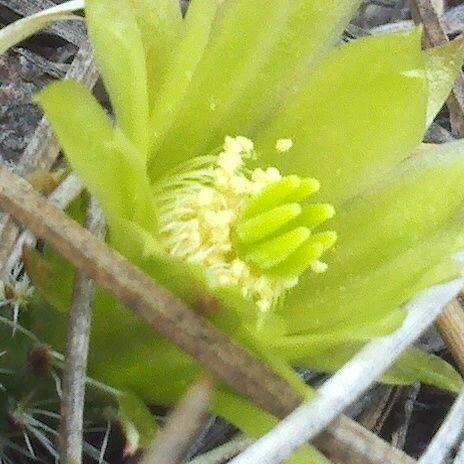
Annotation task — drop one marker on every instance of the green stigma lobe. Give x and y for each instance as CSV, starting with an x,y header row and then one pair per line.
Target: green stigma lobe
x,y
307,187
274,232
265,224
313,215
277,250
300,261
289,189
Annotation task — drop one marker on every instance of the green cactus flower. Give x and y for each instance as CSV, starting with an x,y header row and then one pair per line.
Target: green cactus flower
x,y
228,122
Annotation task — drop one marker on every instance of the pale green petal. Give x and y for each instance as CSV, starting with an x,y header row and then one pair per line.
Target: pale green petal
x,y
361,297
293,348
311,30
389,239
257,49
187,55
254,422
359,113
137,422
413,366
53,278
132,240
160,23
443,65
85,132
146,364
110,167
120,54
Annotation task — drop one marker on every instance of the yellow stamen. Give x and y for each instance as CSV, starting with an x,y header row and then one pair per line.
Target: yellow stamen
x,y
199,206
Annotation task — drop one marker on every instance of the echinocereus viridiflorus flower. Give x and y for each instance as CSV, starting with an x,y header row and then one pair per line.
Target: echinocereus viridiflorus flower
x,y
253,159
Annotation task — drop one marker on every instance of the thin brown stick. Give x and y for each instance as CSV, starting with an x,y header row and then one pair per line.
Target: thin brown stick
x,y
451,323
182,426
346,442
74,375
408,397
375,418
169,316
61,197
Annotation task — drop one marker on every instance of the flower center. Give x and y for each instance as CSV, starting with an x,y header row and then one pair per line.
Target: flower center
x,y
247,228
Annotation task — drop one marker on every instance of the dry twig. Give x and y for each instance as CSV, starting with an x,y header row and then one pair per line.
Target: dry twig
x,y
61,197
183,424
74,375
374,418
345,441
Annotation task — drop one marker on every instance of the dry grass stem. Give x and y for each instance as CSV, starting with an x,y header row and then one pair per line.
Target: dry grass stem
x,y
451,328
347,442
374,419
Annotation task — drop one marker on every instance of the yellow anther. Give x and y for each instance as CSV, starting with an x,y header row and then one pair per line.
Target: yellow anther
x,y
284,145
319,267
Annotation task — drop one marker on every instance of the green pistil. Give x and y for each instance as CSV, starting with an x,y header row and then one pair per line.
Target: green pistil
x,y
275,233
